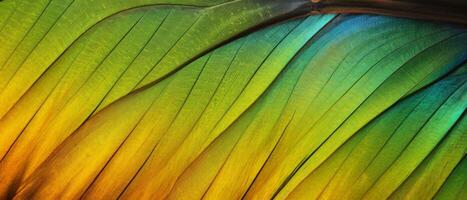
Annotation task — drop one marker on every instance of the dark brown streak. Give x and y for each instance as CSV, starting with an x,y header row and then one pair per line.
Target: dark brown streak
x,y
452,11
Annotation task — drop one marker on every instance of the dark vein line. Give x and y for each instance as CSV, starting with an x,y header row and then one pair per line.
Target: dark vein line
x,y
459,193
126,138
101,20
103,60
347,118
119,147
36,43
173,119
430,156
461,62
341,165
292,15
400,68
368,70
151,104
8,18
269,157
252,76
365,73
222,165
132,61
18,175
25,35
425,120
180,5
144,115
240,136
43,102
264,60
312,38
168,51
373,159
348,74
286,104
399,125
412,138
307,45
451,174
387,140
214,94
33,148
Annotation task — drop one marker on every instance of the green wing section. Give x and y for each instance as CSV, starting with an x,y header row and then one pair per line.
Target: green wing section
x,y
243,99
49,27
49,87
455,186
195,105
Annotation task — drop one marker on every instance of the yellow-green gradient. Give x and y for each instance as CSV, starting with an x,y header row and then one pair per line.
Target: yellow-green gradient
x,y
217,99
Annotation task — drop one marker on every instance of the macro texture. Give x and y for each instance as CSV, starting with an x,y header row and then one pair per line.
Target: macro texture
x,y
239,99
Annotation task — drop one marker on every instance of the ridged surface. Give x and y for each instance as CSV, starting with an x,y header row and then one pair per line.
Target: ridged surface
x,y
153,99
